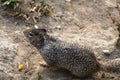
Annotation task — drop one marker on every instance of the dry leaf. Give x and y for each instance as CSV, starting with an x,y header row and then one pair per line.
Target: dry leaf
x,y
20,67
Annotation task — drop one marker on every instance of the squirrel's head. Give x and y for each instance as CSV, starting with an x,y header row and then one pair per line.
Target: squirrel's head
x,y
35,36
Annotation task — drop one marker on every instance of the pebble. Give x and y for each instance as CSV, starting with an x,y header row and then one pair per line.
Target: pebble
x,y
106,52
36,26
68,0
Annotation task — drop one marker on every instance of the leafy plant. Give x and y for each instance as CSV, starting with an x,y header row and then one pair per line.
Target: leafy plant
x,y
44,8
31,11
12,3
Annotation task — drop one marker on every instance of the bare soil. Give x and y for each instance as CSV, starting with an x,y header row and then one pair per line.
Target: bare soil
x,y
88,22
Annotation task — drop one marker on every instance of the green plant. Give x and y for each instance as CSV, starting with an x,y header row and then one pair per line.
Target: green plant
x,y
39,76
12,3
44,8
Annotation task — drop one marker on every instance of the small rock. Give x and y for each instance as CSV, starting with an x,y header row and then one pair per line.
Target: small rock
x,y
58,27
68,0
36,26
99,58
106,52
59,14
117,59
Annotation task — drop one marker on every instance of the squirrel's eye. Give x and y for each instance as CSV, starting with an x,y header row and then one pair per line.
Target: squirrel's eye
x,y
30,35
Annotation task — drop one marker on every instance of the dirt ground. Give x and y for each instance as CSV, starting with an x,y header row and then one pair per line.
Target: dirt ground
x,y
88,22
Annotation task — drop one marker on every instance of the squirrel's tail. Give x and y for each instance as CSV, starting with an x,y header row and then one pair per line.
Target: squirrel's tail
x,y
110,66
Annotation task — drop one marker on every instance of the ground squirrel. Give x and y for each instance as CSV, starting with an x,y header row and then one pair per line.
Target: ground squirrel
x,y
79,60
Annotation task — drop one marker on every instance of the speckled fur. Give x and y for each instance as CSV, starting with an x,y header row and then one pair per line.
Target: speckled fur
x,y
79,60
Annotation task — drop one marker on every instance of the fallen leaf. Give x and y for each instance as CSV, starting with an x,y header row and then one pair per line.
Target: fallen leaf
x,y
20,67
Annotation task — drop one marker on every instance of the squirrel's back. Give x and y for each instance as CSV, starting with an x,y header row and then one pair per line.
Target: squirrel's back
x,y
78,59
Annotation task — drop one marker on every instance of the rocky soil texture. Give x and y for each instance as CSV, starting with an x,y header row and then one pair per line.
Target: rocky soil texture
x,y
90,22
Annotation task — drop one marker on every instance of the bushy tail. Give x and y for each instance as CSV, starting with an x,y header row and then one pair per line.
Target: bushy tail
x,y
112,66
